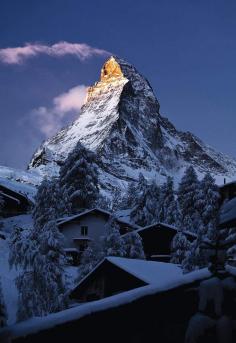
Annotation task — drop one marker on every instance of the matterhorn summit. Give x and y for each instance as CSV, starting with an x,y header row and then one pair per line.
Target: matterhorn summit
x,y
121,122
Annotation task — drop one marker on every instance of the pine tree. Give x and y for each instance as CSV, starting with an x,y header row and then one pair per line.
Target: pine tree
x,y
180,247
40,255
197,257
89,259
169,211
117,201
3,311
187,198
113,243
131,195
147,208
78,179
133,246
46,201
208,200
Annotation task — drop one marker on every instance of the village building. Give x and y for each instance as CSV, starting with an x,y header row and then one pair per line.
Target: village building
x,y
88,226
170,311
157,239
15,202
227,191
116,274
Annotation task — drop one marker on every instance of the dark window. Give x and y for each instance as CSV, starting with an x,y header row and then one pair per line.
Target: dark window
x,y
83,246
84,230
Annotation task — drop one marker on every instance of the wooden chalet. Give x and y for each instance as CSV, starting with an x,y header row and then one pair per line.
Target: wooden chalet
x,y
159,313
227,191
15,203
115,275
85,227
157,239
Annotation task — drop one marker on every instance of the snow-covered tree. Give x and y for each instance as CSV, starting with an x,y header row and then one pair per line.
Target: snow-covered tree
x,y
39,254
208,200
89,259
133,246
112,242
131,195
197,256
117,201
180,247
187,198
169,211
147,207
3,311
46,202
79,179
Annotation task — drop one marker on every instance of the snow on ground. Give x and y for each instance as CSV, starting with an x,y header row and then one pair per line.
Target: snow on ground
x,y
24,221
34,325
7,277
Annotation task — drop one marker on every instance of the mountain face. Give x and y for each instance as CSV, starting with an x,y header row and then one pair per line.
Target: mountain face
x,y
121,123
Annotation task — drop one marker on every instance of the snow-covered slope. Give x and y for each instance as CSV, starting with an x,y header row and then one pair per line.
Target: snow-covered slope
x,y
121,122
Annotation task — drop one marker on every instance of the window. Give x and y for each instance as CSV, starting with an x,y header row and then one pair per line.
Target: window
x,y
84,230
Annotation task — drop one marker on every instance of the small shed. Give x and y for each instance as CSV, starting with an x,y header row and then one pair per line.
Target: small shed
x,y
116,274
157,240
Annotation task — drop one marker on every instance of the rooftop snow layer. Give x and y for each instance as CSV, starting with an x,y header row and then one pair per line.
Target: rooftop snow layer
x,y
34,325
151,272
19,187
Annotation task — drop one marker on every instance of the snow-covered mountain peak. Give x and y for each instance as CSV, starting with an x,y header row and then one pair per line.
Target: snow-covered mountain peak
x,y
121,123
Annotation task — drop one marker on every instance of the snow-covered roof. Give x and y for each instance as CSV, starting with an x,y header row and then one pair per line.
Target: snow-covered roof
x,y
151,272
228,213
157,224
38,324
64,220
23,189
9,197
228,184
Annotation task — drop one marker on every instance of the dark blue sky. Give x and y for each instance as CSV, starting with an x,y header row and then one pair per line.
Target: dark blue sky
x,y
186,49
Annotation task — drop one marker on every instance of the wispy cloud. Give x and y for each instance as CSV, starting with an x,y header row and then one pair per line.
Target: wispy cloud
x,y
65,106
18,55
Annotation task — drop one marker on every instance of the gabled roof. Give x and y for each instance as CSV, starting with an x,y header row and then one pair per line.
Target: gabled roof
x,y
64,220
9,197
159,225
34,325
150,272
228,184
21,190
